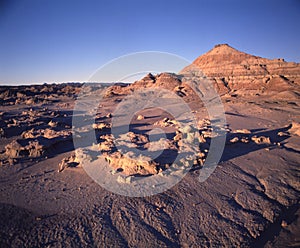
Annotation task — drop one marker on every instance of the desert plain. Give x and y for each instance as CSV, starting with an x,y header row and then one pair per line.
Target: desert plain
x,y
251,199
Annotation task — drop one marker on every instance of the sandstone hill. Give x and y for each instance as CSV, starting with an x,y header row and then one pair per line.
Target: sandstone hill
x,y
230,71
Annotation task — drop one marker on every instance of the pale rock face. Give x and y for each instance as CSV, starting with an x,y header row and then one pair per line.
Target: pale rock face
x,y
100,126
32,149
295,128
70,161
142,165
261,140
243,131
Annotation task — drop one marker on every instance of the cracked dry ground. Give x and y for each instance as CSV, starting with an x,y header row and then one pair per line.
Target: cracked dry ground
x,y
251,199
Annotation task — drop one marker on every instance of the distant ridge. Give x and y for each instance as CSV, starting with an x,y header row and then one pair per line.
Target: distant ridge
x,y
231,72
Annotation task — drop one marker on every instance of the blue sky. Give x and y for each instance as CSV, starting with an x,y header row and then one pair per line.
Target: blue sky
x,y
67,40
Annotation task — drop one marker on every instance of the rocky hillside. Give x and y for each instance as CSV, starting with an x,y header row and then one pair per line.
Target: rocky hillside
x,y
232,70
232,73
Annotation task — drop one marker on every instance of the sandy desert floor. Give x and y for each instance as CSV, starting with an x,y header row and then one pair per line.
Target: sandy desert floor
x,y
250,200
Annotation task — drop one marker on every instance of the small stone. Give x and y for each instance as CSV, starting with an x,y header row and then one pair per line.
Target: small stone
x,y
140,117
261,140
161,173
282,134
245,140
201,155
234,140
178,136
284,223
52,123
201,161
100,126
62,165
244,131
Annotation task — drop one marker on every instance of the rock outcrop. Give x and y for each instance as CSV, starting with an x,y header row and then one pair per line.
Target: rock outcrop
x,y
34,143
232,70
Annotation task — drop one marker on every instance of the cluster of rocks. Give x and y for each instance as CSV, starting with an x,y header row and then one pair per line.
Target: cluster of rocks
x,y
120,152
38,94
245,136
166,122
24,148
13,124
36,132
35,143
191,141
123,158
